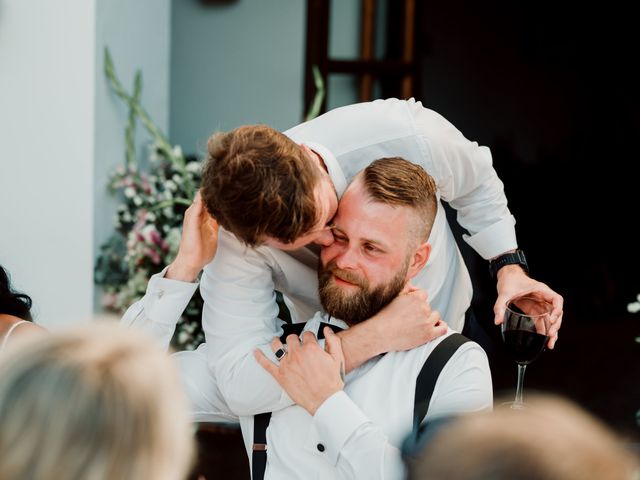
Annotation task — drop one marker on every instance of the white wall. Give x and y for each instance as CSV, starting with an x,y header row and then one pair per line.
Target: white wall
x,y
59,131
46,175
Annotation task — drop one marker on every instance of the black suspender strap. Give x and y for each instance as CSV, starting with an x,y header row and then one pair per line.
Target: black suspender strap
x,y
259,453
426,381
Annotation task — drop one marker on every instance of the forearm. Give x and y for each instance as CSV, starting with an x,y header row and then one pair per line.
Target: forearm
x,y
361,343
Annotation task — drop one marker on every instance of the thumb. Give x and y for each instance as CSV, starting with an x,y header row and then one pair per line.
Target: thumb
x,y
499,309
333,344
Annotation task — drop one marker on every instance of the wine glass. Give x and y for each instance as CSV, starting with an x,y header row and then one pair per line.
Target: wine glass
x,y
525,332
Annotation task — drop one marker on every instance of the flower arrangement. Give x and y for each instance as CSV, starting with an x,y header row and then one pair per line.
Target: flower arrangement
x,y
154,196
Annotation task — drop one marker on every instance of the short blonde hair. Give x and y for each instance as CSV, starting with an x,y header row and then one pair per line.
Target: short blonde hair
x,y
398,182
95,404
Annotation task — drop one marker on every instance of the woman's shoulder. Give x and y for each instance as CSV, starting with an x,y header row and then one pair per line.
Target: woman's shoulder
x,y
11,325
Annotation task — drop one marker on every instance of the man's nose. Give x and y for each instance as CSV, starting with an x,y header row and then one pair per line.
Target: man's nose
x,y
325,238
346,259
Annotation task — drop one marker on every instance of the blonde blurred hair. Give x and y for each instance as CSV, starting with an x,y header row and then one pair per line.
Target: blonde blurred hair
x,y
552,439
97,403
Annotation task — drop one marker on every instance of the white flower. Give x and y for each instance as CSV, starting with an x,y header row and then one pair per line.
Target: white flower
x,y
633,307
193,167
129,192
173,239
170,184
177,151
137,200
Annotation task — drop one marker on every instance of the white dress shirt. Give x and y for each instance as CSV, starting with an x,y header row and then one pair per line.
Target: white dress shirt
x,y
240,310
357,432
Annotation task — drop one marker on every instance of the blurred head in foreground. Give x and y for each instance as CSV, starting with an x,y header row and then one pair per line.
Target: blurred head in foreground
x,y
96,403
551,439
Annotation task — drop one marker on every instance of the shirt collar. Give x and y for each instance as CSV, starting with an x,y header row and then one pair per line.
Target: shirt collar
x,y
333,167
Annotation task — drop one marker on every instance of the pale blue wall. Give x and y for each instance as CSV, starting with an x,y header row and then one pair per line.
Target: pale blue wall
x,y
138,36
234,64
243,63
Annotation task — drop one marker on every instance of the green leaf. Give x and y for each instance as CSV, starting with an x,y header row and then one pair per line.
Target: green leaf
x,y
316,105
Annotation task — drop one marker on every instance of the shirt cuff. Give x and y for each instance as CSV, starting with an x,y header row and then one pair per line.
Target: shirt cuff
x,y
166,299
332,425
494,240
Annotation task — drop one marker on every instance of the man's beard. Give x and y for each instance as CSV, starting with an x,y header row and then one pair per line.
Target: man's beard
x,y
362,304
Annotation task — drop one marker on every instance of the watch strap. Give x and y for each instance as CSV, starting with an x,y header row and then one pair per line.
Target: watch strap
x,y
512,258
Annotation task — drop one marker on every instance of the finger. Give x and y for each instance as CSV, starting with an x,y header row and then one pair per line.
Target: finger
x,y
333,345
499,309
420,294
408,288
293,342
308,337
275,344
439,330
265,363
553,329
552,341
558,304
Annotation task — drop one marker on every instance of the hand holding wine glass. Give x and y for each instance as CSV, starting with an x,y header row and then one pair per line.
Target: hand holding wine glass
x,y
527,320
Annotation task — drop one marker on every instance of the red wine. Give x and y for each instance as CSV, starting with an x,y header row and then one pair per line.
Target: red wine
x,y
524,346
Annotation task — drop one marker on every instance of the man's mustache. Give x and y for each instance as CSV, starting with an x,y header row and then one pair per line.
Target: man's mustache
x,y
345,275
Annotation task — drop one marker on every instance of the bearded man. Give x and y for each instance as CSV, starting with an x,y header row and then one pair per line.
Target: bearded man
x,y
353,426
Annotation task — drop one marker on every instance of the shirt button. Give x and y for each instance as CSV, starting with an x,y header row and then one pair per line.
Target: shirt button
x,y
160,293
320,447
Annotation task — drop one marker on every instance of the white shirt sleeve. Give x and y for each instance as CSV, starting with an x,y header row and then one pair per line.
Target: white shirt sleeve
x,y
158,312
467,180
241,314
207,403
359,448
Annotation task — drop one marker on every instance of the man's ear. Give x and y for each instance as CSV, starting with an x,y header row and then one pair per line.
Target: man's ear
x,y
418,259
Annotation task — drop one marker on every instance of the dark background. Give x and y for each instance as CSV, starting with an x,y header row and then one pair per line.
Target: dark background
x,y
552,89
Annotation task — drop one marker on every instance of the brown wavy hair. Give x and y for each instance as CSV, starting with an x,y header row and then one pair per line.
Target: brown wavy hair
x,y
258,183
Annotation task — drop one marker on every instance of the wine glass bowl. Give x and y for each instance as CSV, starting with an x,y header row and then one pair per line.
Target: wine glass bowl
x,y
525,330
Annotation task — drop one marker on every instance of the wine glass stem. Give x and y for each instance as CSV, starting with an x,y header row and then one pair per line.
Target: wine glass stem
x,y
519,388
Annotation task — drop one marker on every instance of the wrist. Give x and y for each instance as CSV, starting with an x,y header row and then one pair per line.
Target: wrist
x,y
313,406
509,270
362,342
181,271
510,259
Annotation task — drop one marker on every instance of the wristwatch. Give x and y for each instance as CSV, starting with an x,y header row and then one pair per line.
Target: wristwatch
x,y
514,258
